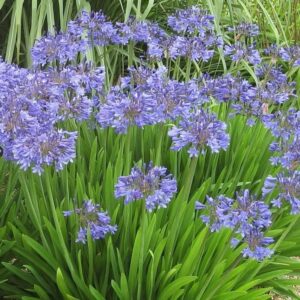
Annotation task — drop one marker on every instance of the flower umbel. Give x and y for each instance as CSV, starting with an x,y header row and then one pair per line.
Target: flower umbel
x,y
149,183
246,216
91,218
197,130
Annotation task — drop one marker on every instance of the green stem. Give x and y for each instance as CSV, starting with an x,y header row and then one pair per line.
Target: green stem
x,y
188,70
188,184
158,147
141,258
128,154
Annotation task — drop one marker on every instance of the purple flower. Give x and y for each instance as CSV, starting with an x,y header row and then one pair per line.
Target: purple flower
x,y
81,236
94,28
283,125
123,109
229,88
195,48
192,20
39,148
288,186
291,54
273,52
257,243
239,51
245,29
250,212
246,216
197,130
92,219
217,212
149,183
60,48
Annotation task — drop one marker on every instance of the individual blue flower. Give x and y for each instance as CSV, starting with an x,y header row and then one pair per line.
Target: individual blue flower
x,y
283,124
197,130
250,212
93,219
273,51
216,212
81,236
149,183
245,215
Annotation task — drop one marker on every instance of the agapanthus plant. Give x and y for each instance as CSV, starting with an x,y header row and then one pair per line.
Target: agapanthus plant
x,y
288,186
92,219
150,183
245,29
246,216
197,130
291,54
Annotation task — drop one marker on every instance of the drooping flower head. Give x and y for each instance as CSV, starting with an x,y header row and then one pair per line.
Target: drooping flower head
x,y
149,183
93,219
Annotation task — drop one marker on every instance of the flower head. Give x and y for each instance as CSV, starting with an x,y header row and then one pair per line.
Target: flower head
x,y
197,130
191,20
245,29
149,183
288,187
92,219
245,215
291,54
59,48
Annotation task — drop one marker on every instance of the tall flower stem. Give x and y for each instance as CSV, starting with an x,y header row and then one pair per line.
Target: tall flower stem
x,y
158,147
128,153
189,180
141,257
188,70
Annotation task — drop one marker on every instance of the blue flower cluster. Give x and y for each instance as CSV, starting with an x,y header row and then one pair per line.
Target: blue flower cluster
x,y
34,102
285,127
194,37
289,189
93,220
149,183
247,216
147,97
198,129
